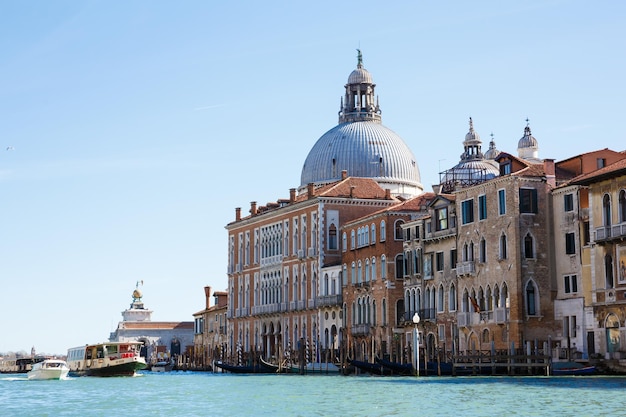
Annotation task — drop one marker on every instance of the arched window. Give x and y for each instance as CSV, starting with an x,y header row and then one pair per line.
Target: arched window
x,y
367,270
353,273
374,313
531,299
384,312
482,250
452,298
344,241
373,233
470,252
352,239
606,209
399,266
622,206
359,277
383,231
373,268
383,267
398,234
608,271
503,251
332,237
529,247
440,298
485,336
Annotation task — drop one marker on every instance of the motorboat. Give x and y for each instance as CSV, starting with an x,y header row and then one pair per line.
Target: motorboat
x,y
49,369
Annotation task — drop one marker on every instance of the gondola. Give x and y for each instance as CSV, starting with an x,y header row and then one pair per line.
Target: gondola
x,y
396,368
258,368
372,368
572,368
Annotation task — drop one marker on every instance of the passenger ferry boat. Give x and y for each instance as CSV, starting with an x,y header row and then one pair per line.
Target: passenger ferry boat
x,y
106,359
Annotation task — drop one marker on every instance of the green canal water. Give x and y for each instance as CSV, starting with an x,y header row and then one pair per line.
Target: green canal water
x,y
208,394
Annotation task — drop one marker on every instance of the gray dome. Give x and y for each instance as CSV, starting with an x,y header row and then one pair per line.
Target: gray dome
x,y
363,149
360,76
472,171
528,140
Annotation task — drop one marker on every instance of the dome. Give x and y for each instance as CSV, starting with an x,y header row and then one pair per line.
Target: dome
x,y
360,76
472,137
363,149
528,140
492,152
470,172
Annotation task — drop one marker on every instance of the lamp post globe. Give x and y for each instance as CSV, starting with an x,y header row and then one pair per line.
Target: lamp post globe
x,y
416,318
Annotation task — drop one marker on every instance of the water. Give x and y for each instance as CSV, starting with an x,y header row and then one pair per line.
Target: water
x,y
207,394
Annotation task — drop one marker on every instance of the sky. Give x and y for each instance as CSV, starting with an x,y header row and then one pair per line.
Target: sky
x,y
131,130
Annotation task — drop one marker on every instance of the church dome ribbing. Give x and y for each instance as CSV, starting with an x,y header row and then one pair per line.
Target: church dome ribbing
x,y
361,145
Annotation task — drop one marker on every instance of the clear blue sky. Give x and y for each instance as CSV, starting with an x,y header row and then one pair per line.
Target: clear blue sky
x,y
137,127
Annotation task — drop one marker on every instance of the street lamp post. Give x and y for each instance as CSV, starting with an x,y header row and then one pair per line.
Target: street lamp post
x,y
416,320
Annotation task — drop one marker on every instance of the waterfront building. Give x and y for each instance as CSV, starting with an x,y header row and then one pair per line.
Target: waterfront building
x,y
210,330
285,274
573,304
373,270
160,338
605,326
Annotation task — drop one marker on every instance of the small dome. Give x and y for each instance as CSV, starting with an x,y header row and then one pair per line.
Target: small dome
x,y
472,136
492,152
137,294
528,140
360,76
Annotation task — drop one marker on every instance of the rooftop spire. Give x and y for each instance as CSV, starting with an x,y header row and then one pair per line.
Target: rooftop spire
x,y
359,57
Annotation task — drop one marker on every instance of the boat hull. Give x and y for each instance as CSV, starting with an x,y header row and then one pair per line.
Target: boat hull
x,y
316,368
106,359
49,369
246,369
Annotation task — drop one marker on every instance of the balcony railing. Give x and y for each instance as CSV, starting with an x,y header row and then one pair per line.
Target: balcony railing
x,y
465,268
606,233
360,329
329,300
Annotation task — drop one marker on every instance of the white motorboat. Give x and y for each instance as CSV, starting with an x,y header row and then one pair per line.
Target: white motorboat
x,y
49,369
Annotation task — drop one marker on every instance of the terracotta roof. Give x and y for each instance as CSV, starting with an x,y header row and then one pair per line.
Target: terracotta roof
x,y
411,205
615,169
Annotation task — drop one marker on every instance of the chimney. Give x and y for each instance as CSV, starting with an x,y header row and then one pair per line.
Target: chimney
x,y
292,195
548,169
352,187
253,208
311,190
387,194
207,295
237,213
344,174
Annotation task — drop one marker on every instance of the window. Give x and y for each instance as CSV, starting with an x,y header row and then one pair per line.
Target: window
x,y
453,258
332,237
531,300
344,241
399,266
528,200
383,231
399,235
505,168
502,202
383,267
482,250
352,239
442,218
568,202
529,249
608,271
439,261
606,209
373,232
586,233
503,254
570,243
570,284
467,211
482,207
622,206
452,298
428,265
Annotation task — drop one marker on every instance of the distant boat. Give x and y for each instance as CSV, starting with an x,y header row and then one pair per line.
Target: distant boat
x,y
369,367
162,366
49,369
396,368
572,368
261,367
106,359
316,368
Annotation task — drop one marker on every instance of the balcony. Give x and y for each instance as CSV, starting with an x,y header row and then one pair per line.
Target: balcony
x,y
329,300
609,233
360,330
466,268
